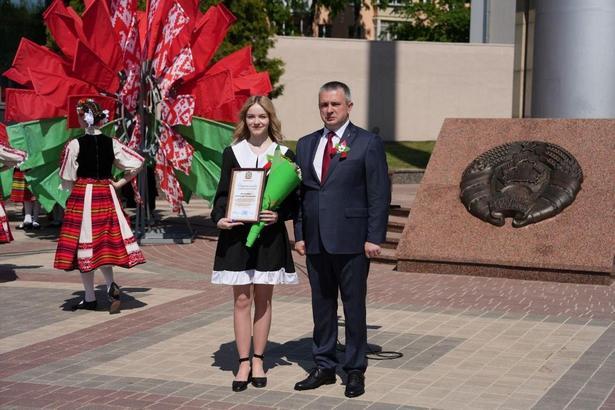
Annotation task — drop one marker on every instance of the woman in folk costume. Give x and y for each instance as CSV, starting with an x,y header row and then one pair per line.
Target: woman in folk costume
x,y
9,157
252,271
21,194
95,233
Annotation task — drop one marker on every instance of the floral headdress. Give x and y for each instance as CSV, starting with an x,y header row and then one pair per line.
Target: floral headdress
x,y
91,112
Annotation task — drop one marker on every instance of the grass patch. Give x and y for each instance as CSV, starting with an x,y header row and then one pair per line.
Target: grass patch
x,y
408,154
400,154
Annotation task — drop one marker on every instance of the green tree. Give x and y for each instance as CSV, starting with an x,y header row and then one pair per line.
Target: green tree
x,y
290,17
441,20
253,27
280,15
17,21
337,6
295,17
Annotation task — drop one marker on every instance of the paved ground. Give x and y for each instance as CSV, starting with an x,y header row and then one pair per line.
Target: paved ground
x,y
474,343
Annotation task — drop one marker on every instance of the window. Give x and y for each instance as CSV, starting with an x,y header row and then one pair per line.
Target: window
x,y
382,30
324,30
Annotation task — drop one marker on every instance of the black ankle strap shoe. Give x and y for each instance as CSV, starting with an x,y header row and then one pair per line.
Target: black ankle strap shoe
x,y
259,382
241,385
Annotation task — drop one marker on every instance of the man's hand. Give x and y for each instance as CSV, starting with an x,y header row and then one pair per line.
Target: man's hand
x,y
300,247
372,250
226,223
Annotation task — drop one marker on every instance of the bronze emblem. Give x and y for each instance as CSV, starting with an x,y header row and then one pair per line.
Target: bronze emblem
x,y
528,181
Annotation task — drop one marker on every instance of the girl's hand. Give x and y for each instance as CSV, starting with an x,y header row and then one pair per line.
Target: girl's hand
x,y
226,223
116,184
269,217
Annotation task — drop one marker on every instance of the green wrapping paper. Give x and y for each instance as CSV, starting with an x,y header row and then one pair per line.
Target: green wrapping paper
x,y
283,179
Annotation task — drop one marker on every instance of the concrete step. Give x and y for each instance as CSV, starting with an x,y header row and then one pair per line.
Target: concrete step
x,y
395,226
387,256
401,211
398,219
390,243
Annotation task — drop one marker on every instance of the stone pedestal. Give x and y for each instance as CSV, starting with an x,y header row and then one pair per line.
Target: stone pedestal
x,y
577,245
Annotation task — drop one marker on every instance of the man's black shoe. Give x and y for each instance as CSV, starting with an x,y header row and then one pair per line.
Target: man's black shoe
x,y
355,385
317,378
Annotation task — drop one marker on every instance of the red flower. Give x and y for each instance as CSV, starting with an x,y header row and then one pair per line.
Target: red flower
x,y
341,148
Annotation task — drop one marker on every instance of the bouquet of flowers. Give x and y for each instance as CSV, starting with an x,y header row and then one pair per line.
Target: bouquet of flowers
x,y
283,178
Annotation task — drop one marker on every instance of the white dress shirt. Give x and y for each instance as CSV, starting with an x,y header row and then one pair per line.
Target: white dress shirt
x,y
323,143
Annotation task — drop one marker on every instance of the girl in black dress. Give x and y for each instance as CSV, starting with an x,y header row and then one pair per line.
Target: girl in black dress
x,y
252,271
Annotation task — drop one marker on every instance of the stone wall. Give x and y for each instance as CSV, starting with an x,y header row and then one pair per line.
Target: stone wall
x,y
404,89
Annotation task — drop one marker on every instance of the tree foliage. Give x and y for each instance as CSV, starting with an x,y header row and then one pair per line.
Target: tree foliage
x,y
253,27
442,20
16,21
295,17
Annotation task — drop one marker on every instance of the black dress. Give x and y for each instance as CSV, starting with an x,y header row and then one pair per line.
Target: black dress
x,y
269,260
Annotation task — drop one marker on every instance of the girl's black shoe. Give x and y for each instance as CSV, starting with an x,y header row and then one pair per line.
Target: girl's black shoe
x,y
114,298
24,225
241,385
259,382
85,305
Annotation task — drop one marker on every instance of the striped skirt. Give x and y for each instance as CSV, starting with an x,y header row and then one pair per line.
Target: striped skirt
x,y
95,232
19,189
5,229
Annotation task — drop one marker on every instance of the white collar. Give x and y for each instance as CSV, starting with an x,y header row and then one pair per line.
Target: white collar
x,y
92,131
248,159
340,131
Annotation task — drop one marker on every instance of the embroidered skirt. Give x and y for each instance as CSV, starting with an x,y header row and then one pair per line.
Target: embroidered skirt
x,y
5,229
95,231
19,189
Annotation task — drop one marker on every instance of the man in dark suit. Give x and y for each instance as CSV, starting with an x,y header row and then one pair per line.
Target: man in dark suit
x,y
345,196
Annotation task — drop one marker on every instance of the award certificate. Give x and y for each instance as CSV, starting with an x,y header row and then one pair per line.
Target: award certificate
x,y
245,194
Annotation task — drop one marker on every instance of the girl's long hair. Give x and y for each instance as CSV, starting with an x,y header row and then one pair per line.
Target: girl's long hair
x,y
275,126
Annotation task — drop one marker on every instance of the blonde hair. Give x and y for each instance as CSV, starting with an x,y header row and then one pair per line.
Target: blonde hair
x,y
275,126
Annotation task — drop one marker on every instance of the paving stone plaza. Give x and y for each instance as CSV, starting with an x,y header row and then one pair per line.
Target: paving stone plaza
x,y
465,342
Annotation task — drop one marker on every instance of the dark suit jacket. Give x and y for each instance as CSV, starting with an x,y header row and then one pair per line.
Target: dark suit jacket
x,y
352,206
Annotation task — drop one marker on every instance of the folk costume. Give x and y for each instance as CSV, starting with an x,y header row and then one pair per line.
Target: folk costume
x,y
269,261
21,194
95,231
9,157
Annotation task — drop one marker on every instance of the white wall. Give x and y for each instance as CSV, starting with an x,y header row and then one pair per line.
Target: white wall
x,y
406,89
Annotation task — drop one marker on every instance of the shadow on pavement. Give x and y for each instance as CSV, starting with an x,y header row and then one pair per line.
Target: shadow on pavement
x,y
277,354
44,234
128,301
226,357
8,274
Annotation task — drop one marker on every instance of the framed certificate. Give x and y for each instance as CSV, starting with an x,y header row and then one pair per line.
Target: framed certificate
x,y
245,194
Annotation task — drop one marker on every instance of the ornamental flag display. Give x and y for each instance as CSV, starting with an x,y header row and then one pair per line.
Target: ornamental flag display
x,y
153,69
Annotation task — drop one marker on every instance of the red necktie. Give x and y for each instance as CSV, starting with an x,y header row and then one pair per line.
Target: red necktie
x,y
326,157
